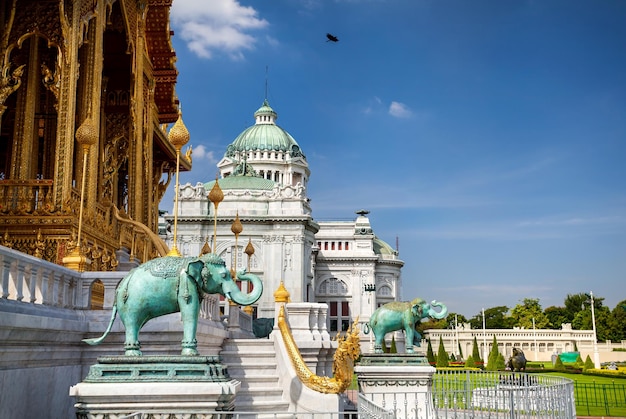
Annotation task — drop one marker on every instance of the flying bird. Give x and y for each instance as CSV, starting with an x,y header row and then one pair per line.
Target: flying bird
x,y
331,37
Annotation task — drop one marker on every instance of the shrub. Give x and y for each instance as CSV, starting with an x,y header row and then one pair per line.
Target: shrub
x,y
475,353
492,361
393,349
469,362
558,365
430,355
442,355
589,365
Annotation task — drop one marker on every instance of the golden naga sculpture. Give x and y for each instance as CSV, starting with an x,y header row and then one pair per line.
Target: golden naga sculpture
x,y
348,350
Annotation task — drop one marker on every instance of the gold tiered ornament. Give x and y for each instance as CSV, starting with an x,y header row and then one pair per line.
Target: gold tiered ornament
x,y
86,136
178,136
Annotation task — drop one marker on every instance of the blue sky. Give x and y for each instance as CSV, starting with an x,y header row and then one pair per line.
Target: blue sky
x,y
488,136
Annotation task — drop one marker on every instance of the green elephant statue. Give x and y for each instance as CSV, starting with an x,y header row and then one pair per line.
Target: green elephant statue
x,y
402,315
171,284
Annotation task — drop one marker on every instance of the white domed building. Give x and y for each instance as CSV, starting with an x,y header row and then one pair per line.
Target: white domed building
x,y
263,178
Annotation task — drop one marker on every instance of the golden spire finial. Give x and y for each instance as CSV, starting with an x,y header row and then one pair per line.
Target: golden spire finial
x,y
205,247
281,295
249,251
178,135
216,196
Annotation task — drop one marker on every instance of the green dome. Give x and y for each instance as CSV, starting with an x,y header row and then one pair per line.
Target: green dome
x,y
382,248
264,135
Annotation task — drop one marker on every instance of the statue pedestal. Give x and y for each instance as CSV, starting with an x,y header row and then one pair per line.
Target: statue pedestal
x,y
160,385
401,383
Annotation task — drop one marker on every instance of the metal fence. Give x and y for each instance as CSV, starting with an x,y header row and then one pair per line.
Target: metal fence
x,y
479,394
600,399
502,394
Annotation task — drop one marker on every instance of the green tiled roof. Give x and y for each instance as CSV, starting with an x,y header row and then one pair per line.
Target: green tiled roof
x,y
242,182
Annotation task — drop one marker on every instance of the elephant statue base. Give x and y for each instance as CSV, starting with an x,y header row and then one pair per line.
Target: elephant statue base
x,y
174,284
402,315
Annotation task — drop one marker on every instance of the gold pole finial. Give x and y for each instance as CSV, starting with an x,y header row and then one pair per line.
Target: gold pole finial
x,y
249,251
86,136
216,196
178,136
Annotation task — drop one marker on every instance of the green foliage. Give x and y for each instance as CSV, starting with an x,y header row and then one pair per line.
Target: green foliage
x,y
556,317
442,355
393,349
475,353
469,362
460,351
579,362
495,318
589,365
492,361
384,347
575,347
430,355
558,365
523,314
452,357
500,364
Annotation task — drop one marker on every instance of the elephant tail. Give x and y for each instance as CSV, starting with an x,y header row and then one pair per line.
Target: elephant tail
x,y
96,341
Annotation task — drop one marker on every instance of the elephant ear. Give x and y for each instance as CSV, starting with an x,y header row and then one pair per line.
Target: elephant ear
x,y
195,269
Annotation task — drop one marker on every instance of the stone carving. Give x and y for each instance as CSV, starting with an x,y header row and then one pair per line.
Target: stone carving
x,y
517,362
402,315
171,284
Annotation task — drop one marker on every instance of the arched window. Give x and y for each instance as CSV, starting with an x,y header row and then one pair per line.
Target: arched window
x,y
333,286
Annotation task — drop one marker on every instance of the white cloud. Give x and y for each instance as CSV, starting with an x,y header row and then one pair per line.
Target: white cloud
x,y
399,110
218,26
201,153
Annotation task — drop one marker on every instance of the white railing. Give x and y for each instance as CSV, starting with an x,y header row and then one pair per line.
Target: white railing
x,y
32,280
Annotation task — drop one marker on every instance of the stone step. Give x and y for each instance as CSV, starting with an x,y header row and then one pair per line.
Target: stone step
x,y
253,363
264,382
259,394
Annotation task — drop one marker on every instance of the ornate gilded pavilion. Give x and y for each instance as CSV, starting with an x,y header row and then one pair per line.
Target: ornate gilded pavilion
x,y
86,84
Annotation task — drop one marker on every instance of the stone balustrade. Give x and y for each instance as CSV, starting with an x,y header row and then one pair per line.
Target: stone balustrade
x,y
29,279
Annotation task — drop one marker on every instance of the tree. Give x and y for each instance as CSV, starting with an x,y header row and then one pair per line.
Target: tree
x,y
584,320
557,316
442,355
469,362
495,318
523,314
475,352
616,323
574,304
589,365
460,351
492,362
430,355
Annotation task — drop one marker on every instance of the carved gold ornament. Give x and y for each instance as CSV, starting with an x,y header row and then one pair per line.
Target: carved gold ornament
x,y
348,350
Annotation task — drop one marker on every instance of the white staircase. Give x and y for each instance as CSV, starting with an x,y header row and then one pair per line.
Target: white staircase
x,y
253,362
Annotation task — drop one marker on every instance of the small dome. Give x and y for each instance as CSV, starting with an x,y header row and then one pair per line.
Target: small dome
x,y
264,135
382,248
